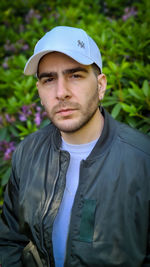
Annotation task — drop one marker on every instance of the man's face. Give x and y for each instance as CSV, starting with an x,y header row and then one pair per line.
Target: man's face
x,y
69,91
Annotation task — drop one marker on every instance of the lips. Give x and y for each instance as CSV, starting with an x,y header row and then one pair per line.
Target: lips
x,y
66,111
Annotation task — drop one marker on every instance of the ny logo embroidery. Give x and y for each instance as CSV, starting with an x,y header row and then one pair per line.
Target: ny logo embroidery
x,y
81,44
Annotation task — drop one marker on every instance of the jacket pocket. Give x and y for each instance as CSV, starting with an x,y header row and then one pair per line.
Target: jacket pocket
x,y
87,220
30,256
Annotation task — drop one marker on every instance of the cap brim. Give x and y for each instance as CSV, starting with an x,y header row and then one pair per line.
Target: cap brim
x,y
32,64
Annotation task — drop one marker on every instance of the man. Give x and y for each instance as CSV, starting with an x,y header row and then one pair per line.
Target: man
x,y
79,192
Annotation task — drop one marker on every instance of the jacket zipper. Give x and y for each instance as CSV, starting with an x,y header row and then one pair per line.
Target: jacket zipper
x,y
47,204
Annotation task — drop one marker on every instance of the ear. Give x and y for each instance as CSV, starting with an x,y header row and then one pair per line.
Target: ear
x,y
102,84
37,86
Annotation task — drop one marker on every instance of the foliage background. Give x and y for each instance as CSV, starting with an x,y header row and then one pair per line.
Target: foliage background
x,y
121,30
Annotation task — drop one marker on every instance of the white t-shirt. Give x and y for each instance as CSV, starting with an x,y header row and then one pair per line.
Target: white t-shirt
x,y
61,223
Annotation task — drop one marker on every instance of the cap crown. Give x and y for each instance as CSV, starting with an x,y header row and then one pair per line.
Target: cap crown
x,y
71,41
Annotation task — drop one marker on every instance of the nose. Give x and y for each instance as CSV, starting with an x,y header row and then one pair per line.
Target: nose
x,y
62,91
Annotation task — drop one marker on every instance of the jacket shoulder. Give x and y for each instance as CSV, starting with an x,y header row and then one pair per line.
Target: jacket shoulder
x,y
39,134
37,140
134,137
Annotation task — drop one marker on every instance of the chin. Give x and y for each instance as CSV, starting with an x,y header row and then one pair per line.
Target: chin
x,y
68,127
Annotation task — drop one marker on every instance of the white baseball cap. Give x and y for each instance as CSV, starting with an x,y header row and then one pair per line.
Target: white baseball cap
x,y
73,42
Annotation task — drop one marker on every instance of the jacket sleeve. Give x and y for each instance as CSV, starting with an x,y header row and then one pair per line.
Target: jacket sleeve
x,y
147,258
12,241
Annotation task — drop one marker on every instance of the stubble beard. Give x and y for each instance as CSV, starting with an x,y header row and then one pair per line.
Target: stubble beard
x,y
85,116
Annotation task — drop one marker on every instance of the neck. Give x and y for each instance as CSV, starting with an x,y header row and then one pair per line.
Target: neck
x,y
89,132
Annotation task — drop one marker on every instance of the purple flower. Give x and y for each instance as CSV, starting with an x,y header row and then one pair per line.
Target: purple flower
x,y
26,110
129,12
25,47
37,119
36,113
7,154
5,65
9,47
22,117
44,114
22,45
9,119
32,14
33,105
38,108
24,113
7,148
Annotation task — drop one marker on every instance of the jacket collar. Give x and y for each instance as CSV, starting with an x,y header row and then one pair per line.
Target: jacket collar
x,y
105,140
107,137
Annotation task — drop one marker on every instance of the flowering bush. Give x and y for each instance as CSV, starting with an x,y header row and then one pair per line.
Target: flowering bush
x,y
15,127
6,149
120,28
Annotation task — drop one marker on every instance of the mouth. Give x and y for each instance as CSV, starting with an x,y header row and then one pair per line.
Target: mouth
x,y
66,112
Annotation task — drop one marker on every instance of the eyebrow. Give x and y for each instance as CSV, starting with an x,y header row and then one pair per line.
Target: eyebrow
x,y
67,71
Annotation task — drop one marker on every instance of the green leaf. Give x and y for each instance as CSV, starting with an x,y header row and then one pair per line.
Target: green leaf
x,y
136,93
22,128
44,123
3,134
29,82
109,103
6,176
12,101
146,88
116,110
14,131
131,121
113,66
145,129
103,38
29,124
2,102
124,65
130,109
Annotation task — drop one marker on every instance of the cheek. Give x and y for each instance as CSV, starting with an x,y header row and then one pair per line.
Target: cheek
x,y
45,95
46,102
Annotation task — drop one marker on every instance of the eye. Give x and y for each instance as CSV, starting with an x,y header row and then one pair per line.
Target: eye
x,y
76,76
47,80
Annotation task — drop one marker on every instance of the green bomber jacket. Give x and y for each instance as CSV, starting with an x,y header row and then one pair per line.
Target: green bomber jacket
x,y
110,217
